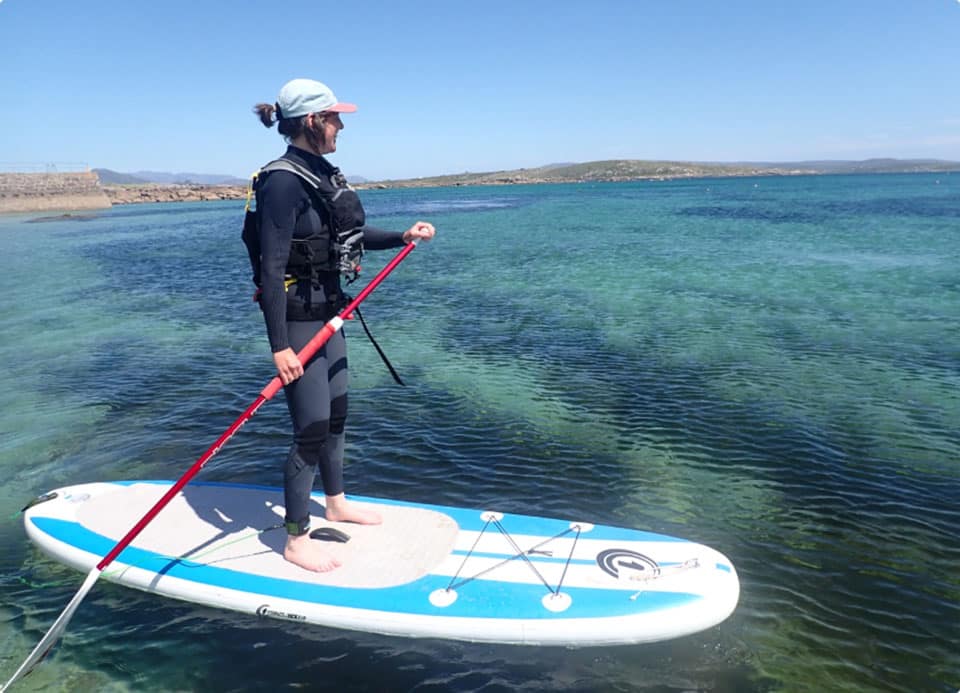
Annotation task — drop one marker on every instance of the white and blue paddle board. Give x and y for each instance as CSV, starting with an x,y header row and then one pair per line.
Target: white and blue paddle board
x,y
427,571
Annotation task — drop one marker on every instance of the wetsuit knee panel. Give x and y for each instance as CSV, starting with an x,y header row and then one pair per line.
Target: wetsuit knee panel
x,y
338,414
310,440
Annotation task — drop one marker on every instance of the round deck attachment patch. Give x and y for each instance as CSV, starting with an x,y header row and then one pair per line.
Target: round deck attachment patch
x,y
443,598
556,602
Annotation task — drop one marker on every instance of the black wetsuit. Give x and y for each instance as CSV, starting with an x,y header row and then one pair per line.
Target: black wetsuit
x,y
318,400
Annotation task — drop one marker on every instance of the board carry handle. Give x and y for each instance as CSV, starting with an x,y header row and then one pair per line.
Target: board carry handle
x,y
322,337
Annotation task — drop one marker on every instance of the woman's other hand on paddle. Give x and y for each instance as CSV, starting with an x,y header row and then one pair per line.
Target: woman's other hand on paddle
x,y
421,231
288,365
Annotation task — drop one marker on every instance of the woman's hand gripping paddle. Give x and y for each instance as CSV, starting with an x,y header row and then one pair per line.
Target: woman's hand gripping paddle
x,y
305,354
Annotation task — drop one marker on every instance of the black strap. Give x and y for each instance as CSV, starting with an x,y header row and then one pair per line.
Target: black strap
x,y
295,168
376,346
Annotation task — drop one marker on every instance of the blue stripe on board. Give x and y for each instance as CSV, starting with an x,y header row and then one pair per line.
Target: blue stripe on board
x,y
558,558
469,519
476,599
536,558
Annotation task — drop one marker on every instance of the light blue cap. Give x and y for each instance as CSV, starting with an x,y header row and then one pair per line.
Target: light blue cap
x,y
298,97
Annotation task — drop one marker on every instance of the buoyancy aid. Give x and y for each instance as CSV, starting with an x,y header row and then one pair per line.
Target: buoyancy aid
x,y
336,248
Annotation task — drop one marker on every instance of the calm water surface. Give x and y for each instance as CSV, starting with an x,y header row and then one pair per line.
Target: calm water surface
x,y
767,366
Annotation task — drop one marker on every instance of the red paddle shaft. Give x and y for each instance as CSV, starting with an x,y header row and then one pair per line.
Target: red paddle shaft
x,y
305,354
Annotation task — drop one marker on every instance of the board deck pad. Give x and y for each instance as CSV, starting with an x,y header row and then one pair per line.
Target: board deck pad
x,y
426,571
203,520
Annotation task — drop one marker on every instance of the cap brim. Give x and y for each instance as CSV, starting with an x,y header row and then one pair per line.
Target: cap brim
x,y
342,108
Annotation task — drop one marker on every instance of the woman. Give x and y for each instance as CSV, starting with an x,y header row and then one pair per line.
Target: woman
x,y
300,250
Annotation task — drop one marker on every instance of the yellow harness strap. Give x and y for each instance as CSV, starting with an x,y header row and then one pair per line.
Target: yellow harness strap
x,y
253,180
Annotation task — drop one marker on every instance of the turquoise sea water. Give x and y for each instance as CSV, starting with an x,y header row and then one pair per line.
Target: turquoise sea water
x,y
769,366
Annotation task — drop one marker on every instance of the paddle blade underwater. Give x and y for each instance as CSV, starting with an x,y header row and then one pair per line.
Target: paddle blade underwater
x,y
52,636
50,639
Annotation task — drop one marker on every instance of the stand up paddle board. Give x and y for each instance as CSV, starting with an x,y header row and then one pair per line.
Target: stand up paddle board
x,y
427,571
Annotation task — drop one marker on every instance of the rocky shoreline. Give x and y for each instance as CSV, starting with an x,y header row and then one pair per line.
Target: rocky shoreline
x,y
84,191
156,192
135,194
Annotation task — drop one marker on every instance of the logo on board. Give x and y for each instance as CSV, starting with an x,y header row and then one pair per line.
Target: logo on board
x,y
265,610
627,565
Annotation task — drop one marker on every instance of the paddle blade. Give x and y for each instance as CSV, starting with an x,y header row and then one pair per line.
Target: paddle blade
x,y
56,630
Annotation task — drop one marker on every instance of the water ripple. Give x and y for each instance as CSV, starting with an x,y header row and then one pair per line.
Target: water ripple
x,y
746,367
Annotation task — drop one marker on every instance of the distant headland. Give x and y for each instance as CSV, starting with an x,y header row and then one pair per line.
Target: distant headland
x,y
619,170
101,188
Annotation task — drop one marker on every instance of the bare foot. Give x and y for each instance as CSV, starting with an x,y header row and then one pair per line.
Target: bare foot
x,y
304,552
339,509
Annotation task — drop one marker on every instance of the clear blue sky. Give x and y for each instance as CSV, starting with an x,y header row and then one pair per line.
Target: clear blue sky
x,y
453,85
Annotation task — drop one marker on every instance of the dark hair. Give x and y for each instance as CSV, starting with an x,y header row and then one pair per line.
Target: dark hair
x,y
290,128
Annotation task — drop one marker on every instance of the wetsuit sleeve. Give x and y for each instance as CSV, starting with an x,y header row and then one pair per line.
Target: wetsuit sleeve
x,y
379,239
278,202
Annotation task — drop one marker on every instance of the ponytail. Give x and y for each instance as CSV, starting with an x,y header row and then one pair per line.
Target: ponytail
x,y
270,114
266,113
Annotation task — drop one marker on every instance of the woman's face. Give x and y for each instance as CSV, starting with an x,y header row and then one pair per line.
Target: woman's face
x,y
328,125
